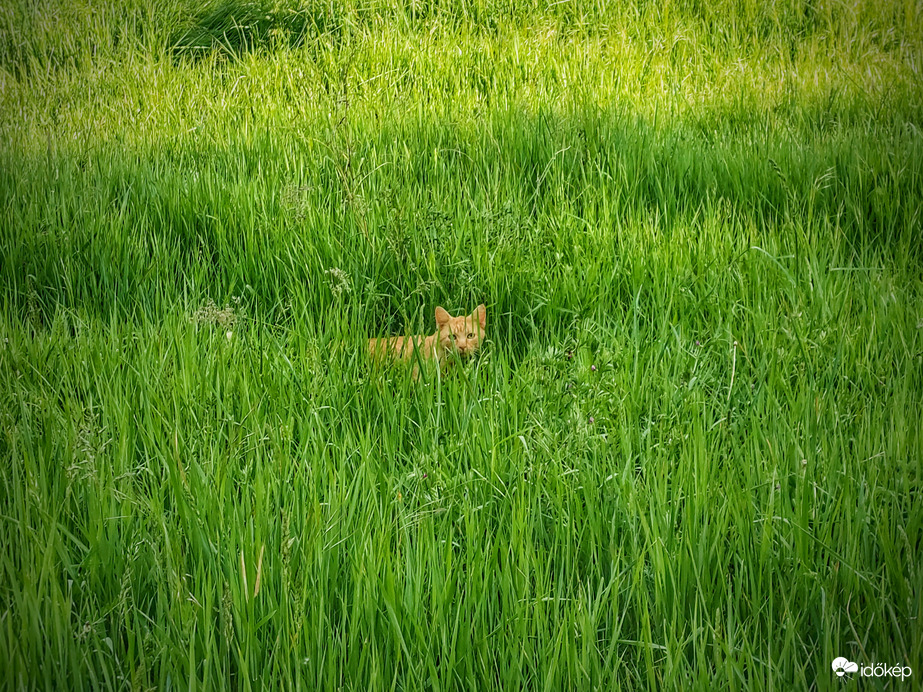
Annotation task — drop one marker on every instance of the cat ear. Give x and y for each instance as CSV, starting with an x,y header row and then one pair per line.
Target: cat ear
x,y
480,313
442,317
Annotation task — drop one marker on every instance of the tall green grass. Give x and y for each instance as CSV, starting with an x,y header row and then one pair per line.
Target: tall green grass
x,y
687,457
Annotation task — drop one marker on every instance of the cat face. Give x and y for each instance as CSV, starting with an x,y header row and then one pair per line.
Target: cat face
x,y
461,334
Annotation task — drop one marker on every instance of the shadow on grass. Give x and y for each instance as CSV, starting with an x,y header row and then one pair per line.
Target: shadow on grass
x,y
237,27
544,217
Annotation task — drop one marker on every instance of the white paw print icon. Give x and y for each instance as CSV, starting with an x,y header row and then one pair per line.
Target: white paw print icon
x,y
841,666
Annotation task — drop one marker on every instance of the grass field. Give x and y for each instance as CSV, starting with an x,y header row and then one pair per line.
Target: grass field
x,y
689,455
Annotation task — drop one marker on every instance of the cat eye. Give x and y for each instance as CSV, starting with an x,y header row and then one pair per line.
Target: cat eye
x,y
453,337
470,335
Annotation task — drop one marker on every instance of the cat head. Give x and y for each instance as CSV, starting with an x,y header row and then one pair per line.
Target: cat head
x,y
462,334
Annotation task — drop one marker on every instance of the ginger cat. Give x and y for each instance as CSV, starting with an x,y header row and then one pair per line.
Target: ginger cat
x,y
461,335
